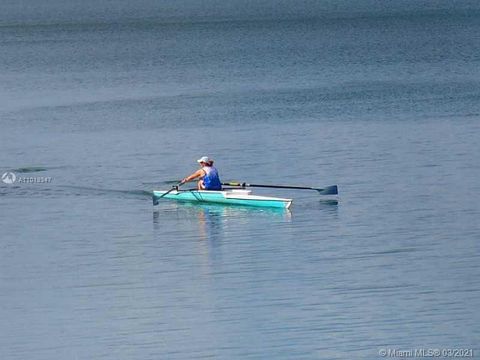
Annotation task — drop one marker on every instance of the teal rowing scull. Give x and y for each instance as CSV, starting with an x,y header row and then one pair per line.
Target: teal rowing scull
x,y
230,197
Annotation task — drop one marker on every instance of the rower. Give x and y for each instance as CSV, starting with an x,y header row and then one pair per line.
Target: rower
x,y
207,175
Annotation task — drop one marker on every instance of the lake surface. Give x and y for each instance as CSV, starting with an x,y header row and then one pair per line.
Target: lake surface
x,y
103,107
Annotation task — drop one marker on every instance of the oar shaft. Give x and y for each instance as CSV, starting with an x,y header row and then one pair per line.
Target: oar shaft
x,y
329,190
281,186
156,198
269,186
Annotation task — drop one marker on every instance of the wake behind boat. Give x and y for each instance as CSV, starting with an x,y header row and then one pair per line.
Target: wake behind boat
x,y
228,196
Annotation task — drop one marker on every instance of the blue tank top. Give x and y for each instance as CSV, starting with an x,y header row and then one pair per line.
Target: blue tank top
x,y
211,180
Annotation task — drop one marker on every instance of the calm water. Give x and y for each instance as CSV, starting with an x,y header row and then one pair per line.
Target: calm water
x,y
384,102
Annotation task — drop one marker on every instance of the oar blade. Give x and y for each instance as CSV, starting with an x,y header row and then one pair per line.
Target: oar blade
x,y
155,200
329,190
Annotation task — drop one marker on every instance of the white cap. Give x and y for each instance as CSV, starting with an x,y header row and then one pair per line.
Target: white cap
x,y
204,159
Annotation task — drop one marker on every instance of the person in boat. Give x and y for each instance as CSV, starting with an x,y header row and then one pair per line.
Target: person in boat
x,y
207,175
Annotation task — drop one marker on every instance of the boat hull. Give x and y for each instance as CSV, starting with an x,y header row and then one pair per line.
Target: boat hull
x,y
233,197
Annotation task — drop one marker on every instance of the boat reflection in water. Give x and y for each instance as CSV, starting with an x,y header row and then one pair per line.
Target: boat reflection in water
x,y
212,226
207,234
213,219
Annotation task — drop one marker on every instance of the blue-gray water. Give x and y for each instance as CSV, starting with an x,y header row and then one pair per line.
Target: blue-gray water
x,y
111,100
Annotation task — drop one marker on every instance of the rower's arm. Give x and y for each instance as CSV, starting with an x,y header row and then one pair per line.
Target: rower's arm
x,y
196,174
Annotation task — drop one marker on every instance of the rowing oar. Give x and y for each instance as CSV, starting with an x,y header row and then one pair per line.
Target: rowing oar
x,y
329,190
156,198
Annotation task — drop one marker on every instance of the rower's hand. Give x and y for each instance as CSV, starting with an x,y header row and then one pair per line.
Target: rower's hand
x,y
183,181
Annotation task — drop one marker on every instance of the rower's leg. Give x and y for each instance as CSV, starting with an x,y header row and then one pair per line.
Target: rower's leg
x,y
200,185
